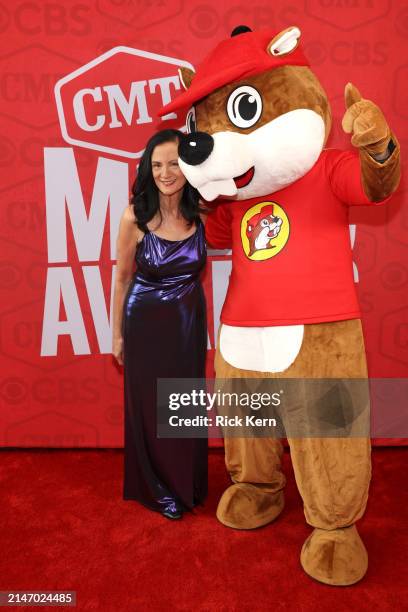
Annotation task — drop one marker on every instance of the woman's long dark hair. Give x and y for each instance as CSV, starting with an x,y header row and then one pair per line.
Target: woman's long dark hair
x,y
145,195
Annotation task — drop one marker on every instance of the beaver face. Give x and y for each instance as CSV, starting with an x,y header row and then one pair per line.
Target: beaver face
x,y
262,231
267,131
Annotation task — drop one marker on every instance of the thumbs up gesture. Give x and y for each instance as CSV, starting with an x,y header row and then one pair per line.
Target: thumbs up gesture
x,y
365,121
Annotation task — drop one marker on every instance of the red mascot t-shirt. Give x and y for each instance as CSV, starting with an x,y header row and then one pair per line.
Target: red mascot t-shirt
x,y
291,250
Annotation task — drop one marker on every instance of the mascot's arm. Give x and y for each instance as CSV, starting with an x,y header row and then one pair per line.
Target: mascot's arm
x,y
218,228
379,149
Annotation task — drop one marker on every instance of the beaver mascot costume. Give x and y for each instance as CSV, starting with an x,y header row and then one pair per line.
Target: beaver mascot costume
x,y
258,126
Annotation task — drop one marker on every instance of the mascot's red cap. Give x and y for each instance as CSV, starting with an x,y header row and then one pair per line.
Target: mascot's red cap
x,y
233,59
264,212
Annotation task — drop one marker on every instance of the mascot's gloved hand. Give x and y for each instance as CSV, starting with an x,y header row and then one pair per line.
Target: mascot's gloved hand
x,y
367,124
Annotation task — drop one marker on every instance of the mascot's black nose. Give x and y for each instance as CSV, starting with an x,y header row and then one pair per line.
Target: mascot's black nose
x,y
195,148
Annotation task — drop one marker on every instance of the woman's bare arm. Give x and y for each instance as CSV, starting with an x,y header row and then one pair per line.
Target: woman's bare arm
x,y
128,237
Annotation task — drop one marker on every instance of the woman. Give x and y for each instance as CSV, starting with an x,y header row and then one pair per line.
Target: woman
x,y
159,322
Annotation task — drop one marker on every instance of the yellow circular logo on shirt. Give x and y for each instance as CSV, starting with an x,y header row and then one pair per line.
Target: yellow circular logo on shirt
x,y
264,231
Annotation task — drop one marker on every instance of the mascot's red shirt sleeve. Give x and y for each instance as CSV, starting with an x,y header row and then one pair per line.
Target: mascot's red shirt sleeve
x,y
306,274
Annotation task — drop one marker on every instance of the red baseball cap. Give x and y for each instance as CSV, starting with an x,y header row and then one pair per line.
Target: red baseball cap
x,y
264,212
234,59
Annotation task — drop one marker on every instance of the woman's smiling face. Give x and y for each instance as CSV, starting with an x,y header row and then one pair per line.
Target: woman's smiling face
x,y
165,169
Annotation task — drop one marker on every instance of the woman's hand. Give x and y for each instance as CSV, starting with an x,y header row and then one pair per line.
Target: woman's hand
x,y
117,349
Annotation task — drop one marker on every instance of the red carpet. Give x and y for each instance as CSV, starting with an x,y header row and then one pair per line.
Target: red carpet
x,y
65,527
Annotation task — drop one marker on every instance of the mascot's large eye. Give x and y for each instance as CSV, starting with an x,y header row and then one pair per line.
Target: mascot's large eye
x,y
265,223
244,106
191,125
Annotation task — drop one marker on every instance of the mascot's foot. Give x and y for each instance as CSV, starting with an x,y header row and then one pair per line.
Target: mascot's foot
x,y
247,506
336,557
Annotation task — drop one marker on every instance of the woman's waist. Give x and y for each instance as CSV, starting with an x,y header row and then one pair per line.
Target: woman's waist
x,y
162,290
147,278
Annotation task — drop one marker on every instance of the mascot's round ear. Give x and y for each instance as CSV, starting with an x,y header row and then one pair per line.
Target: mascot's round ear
x,y
186,76
285,42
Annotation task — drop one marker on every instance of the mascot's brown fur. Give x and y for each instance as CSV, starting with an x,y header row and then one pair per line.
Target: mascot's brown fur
x,y
332,473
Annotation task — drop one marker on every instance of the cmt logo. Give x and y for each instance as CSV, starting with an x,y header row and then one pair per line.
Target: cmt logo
x,y
111,103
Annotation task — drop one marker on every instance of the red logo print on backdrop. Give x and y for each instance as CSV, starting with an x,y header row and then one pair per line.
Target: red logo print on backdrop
x,y
111,103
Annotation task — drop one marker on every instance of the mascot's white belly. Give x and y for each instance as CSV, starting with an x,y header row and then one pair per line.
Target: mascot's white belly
x,y
261,349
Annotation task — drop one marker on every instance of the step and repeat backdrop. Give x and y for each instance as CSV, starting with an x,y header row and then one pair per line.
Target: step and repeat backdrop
x,y
80,87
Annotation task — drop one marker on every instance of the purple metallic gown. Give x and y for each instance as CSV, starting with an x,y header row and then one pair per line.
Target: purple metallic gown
x,y
164,330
